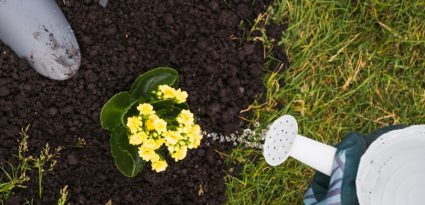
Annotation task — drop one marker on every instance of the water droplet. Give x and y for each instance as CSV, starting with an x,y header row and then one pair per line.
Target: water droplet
x,y
248,138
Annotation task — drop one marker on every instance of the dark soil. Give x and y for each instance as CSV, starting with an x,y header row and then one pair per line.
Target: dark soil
x,y
200,38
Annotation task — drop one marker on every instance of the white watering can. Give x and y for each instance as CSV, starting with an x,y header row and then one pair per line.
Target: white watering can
x,y
391,171
38,31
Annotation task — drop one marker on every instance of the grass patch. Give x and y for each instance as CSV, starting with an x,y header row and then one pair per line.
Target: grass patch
x,y
14,176
355,66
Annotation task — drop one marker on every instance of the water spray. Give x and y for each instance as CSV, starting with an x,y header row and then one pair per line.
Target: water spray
x,y
247,137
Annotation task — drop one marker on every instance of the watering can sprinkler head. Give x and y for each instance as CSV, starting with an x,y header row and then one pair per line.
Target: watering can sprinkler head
x,y
282,140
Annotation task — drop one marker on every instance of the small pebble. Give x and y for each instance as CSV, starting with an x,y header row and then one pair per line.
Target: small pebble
x,y
68,109
4,92
213,5
4,81
27,87
168,19
87,40
53,111
72,159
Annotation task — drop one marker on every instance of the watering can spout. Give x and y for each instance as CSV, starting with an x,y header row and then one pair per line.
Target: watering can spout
x,y
39,32
283,140
315,154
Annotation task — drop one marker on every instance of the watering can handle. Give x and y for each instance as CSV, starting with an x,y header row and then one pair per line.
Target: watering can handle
x,y
313,153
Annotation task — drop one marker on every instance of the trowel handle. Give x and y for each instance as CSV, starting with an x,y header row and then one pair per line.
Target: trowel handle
x,y
317,155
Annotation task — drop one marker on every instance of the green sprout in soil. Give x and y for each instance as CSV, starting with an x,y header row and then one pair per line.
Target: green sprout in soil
x,y
15,176
45,163
64,196
149,120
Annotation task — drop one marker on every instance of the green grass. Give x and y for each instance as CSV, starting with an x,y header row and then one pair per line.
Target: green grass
x,y
355,66
63,200
14,176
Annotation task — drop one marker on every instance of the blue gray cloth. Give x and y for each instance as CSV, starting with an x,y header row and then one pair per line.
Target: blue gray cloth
x,y
340,187
333,195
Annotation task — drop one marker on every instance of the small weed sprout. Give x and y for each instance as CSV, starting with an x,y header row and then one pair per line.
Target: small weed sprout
x,y
64,196
16,176
81,142
45,163
31,202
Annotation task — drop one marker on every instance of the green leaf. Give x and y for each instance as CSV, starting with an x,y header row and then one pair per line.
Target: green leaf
x,y
164,104
125,155
130,110
169,113
149,81
113,111
168,109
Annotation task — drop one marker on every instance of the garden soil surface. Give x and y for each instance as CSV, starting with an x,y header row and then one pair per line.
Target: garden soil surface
x,y
202,39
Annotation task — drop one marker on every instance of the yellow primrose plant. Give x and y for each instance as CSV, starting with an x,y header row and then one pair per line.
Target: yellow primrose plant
x,y
150,121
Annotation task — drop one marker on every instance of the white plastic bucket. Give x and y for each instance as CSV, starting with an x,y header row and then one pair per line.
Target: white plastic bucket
x,y
392,171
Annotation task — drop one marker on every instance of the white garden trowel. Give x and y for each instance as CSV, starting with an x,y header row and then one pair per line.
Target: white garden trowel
x,y
391,171
38,31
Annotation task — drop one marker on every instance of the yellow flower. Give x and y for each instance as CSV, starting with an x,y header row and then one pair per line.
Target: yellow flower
x,y
195,141
195,136
167,91
159,143
145,109
150,123
146,153
160,125
180,153
182,129
149,144
181,96
170,148
134,124
183,137
172,137
138,138
194,129
159,166
155,158
185,117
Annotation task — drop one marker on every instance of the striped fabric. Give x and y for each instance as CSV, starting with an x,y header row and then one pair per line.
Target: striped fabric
x,y
333,196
